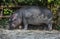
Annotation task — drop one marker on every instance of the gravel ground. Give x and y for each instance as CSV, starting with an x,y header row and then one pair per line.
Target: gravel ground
x,y
29,34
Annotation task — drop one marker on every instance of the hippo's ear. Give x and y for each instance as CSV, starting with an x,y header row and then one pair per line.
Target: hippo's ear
x,y
14,16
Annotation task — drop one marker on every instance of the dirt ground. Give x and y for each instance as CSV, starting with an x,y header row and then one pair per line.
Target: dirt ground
x,y
29,34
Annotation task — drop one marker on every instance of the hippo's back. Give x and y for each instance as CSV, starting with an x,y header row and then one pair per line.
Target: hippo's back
x,y
36,14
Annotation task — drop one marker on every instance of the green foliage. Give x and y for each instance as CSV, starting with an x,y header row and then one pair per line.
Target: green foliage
x,y
58,27
7,11
3,22
27,2
31,2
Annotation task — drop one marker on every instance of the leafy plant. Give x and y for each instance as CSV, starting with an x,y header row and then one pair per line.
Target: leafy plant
x,y
3,23
58,27
7,11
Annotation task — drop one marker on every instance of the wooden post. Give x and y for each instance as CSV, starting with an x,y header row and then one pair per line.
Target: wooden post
x,y
0,15
1,11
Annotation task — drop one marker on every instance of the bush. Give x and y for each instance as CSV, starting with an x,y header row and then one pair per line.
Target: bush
x,y
3,22
7,11
58,27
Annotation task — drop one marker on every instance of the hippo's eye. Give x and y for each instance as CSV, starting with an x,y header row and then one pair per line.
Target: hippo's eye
x,y
13,20
49,16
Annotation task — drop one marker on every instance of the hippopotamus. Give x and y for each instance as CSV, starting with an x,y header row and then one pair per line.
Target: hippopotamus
x,y
34,15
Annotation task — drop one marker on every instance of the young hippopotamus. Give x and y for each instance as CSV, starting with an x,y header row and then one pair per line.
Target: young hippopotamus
x,y
33,15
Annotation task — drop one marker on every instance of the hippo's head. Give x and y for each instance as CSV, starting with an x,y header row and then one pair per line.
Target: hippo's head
x,y
14,21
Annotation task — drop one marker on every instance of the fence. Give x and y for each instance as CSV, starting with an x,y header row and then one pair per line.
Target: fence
x,y
2,7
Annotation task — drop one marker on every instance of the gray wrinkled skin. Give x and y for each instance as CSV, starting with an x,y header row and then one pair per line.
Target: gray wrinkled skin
x,y
34,15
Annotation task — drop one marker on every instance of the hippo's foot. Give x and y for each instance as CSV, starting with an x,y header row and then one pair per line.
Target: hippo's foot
x,y
26,27
11,28
50,27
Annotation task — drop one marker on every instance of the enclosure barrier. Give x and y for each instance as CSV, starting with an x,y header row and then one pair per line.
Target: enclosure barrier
x,y
10,7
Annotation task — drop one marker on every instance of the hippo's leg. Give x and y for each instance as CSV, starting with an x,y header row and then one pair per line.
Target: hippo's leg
x,y
45,27
25,24
50,26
